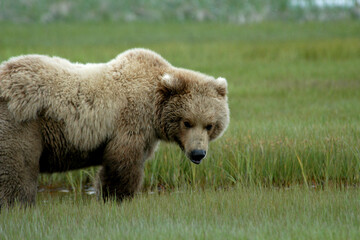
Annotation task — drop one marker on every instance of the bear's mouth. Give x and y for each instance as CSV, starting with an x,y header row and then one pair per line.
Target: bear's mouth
x,y
197,162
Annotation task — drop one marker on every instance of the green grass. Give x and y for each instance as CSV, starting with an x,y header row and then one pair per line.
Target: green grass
x,y
294,95
239,213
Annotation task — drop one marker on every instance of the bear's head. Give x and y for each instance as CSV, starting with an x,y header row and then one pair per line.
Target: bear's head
x,y
192,110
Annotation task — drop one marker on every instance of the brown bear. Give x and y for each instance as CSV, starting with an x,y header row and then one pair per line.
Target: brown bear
x,y
57,116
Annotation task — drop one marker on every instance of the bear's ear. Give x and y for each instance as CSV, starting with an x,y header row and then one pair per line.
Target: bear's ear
x,y
221,86
172,85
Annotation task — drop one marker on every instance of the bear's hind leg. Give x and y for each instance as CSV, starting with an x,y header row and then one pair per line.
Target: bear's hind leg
x,y
20,150
16,185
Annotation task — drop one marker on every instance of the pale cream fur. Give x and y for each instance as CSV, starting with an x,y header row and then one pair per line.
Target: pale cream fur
x,y
61,88
65,90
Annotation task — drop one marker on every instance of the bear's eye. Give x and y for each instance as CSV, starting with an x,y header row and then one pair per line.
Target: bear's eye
x,y
209,127
187,124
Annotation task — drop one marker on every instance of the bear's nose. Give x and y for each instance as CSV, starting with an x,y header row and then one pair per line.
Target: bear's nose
x,y
197,155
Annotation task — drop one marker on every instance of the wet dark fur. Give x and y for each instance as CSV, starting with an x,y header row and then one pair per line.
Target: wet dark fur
x,y
50,153
59,156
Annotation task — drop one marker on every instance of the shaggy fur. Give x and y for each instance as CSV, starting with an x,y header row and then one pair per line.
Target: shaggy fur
x,y
57,116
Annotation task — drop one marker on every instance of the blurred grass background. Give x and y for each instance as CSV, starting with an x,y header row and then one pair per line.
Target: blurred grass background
x,y
233,11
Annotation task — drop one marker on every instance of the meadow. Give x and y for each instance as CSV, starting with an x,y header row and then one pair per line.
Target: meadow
x,y
288,166
239,213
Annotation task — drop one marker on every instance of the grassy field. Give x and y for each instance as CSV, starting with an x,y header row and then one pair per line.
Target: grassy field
x,y
242,213
294,94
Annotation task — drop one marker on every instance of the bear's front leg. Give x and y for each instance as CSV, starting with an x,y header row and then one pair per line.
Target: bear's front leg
x,y
122,172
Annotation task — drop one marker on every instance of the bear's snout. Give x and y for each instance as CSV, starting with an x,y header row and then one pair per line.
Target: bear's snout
x,y
197,155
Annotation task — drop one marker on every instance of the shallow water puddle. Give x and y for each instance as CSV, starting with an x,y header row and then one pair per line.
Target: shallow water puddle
x,y
51,189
